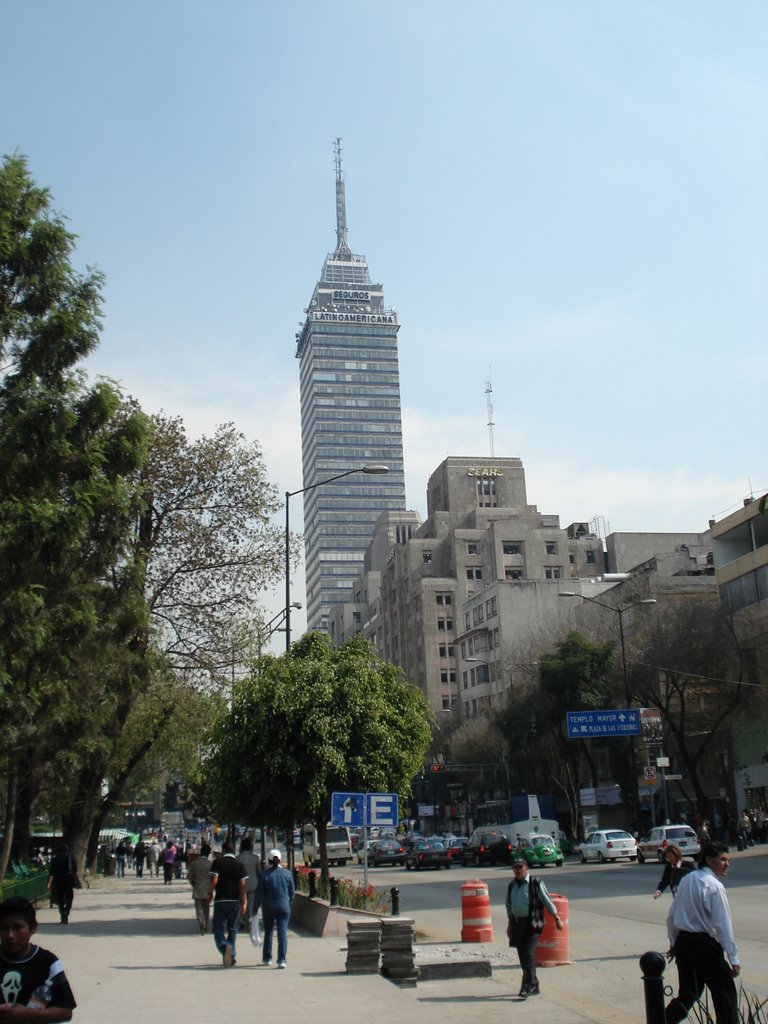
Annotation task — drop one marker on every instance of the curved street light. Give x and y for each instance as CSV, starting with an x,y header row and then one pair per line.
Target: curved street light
x,y
620,612
375,469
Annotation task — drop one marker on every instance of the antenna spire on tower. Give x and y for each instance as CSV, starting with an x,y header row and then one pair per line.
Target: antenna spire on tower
x,y
489,404
342,245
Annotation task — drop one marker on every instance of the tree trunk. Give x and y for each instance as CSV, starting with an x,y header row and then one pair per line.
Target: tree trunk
x,y
26,792
10,820
82,813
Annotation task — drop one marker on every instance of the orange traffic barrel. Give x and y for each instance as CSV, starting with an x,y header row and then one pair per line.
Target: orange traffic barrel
x,y
476,925
553,947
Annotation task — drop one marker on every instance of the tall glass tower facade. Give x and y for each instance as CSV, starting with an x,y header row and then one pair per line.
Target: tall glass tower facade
x,y
350,417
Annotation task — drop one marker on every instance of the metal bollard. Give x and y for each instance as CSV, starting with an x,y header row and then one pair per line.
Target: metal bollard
x,y
334,891
394,892
296,878
652,966
312,887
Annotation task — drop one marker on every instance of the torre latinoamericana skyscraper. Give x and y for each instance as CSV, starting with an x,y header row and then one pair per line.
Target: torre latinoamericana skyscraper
x,y
350,419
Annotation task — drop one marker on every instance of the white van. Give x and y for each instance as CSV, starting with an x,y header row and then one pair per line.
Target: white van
x,y
338,845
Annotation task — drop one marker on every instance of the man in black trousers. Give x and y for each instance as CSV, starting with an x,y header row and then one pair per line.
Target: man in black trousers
x,y
700,937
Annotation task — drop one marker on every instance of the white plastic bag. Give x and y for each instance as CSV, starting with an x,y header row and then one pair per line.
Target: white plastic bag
x,y
255,930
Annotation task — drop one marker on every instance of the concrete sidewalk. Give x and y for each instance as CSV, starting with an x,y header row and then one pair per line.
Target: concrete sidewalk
x,y
132,950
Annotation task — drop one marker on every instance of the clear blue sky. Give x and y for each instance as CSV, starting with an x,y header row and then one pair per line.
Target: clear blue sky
x,y
566,195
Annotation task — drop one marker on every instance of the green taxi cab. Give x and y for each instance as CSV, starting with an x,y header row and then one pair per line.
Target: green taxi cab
x,y
538,850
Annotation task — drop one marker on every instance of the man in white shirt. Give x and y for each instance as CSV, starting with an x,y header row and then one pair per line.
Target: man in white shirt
x,y
700,935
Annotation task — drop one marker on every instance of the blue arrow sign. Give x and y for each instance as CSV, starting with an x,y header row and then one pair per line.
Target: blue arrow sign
x,y
583,725
358,809
347,809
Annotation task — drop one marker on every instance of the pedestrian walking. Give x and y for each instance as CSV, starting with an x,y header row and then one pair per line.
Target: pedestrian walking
x,y
32,979
274,895
227,890
62,872
526,899
199,877
252,865
674,869
120,857
153,858
700,935
139,856
169,856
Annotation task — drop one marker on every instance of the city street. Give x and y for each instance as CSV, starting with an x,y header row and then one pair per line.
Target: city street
x,y
132,949
613,901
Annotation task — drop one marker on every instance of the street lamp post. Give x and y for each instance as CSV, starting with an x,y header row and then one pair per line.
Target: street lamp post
x,y
375,469
627,696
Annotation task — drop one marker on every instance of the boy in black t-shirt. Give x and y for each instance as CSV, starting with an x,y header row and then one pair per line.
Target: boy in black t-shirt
x,y
30,976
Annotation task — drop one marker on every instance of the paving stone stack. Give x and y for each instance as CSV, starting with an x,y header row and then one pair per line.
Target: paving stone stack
x,y
397,956
363,946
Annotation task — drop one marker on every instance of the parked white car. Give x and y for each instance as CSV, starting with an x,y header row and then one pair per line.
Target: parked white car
x,y
608,844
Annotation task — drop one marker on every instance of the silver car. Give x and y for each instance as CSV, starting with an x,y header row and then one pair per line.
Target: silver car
x,y
608,844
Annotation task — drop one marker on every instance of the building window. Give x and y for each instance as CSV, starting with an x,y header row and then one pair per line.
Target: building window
x,y
356,617
444,675
474,572
513,574
426,557
452,676
449,623
496,637
510,549
441,625
464,679
444,598
554,573
490,608
446,704
467,621
442,650
572,559
451,651
463,649
590,557
480,613
471,549
551,547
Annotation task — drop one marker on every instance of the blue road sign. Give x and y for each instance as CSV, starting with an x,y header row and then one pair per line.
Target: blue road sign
x,y
382,809
358,809
347,809
583,725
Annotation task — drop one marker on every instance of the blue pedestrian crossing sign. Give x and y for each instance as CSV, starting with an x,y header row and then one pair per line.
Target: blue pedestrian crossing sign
x,y
358,809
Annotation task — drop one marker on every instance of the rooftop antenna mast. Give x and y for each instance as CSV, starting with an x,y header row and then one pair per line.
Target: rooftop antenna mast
x,y
489,404
342,245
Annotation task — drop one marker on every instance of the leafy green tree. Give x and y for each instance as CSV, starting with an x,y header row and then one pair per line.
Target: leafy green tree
x,y
69,451
313,721
205,546
576,677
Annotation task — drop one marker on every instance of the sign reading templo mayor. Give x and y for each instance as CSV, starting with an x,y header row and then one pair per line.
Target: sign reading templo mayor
x,y
484,471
